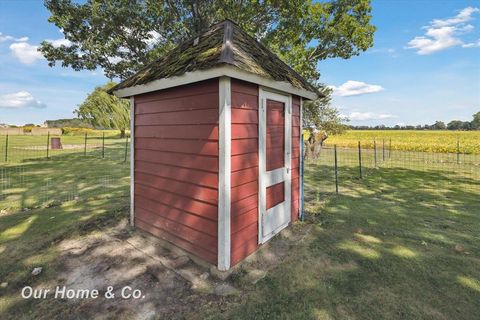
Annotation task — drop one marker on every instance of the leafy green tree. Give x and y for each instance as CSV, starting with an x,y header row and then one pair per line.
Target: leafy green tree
x,y
101,109
455,125
121,35
321,120
439,125
475,124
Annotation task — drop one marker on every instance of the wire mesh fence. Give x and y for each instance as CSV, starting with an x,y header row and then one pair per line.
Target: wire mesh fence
x,y
338,169
17,148
86,167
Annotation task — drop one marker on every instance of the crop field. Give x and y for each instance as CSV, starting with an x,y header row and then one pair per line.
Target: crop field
x,y
467,142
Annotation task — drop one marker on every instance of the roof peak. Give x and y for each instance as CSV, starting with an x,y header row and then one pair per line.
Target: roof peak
x,y
222,43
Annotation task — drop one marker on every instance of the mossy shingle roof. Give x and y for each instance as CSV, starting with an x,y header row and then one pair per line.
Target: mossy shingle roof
x,y
224,43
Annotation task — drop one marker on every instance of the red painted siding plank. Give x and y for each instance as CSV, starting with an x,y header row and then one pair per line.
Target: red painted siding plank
x,y
242,131
243,176
202,178
244,190
190,117
206,132
190,90
201,239
165,235
242,146
177,200
200,102
199,147
243,161
208,195
179,159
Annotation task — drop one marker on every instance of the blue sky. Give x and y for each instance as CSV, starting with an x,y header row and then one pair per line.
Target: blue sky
x,y
424,66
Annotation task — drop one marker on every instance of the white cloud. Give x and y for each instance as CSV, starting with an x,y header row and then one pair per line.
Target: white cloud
x,y
354,88
59,42
28,53
443,34
6,37
472,44
363,116
21,99
25,52
463,16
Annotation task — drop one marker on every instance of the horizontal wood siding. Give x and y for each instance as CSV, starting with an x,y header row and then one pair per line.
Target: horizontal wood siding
x,y
295,157
176,166
244,177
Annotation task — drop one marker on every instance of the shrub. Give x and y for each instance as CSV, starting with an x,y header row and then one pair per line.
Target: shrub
x,y
70,131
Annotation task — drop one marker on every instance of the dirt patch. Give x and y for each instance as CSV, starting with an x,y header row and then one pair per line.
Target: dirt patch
x,y
171,284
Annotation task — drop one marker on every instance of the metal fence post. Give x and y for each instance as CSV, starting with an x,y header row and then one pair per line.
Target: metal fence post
x,y
390,149
6,148
375,151
48,144
360,159
85,146
336,168
103,145
383,150
126,148
458,150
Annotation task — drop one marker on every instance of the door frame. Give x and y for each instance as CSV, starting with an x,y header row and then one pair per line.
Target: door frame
x,y
264,180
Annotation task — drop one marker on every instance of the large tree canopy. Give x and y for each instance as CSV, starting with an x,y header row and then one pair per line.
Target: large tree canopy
x,y
101,109
121,35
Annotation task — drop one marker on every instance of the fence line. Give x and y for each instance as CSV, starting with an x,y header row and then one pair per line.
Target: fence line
x,y
15,149
338,167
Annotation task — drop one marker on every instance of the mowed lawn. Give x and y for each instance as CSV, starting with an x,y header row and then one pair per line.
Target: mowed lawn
x,y
401,244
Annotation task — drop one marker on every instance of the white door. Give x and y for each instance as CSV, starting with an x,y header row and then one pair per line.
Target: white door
x,y
275,148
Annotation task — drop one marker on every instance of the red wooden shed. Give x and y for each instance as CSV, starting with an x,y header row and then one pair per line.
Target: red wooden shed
x,y
216,145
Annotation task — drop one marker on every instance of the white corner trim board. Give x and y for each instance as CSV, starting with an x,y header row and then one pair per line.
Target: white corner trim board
x,y
200,75
224,173
132,161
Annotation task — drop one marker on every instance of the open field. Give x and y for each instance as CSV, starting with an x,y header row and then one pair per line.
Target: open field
x,y
401,243
412,140
23,147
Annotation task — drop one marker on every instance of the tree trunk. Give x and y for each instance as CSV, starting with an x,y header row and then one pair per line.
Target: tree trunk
x,y
313,146
122,133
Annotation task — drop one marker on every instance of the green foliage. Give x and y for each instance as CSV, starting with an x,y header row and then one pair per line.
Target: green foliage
x,y
71,131
101,109
319,116
70,123
475,124
28,128
121,35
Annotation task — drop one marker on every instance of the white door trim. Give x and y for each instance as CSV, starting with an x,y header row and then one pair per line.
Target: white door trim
x,y
224,173
266,179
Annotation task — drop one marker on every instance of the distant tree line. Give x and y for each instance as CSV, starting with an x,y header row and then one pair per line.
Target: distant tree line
x,y
73,123
438,125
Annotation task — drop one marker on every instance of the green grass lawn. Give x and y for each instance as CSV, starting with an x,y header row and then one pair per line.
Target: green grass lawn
x,y
47,200
403,243
387,247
